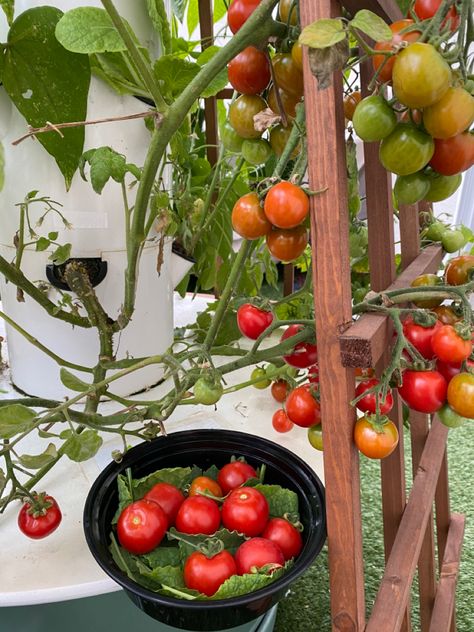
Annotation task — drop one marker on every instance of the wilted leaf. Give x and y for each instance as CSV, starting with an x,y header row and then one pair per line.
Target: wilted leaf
x,y
36,461
323,62
61,254
265,119
323,33
372,25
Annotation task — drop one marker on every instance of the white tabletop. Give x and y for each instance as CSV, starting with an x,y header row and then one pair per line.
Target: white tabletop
x,y
60,567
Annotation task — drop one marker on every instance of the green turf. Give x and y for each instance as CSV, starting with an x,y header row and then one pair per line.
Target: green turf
x,y
306,608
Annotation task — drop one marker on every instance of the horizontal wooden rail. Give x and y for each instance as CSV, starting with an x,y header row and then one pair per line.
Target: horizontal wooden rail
x,y
387,9
226,93
392,598
363,344
445,595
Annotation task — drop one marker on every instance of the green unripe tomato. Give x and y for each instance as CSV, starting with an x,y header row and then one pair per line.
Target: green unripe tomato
x,y
412,188
373,119
230,139
406,150
436,231
256,151
453,240
258,372
315,437
450,417
200,170
207,391
442,187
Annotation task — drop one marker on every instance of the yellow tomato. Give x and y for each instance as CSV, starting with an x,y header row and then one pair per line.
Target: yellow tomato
x,y
451,115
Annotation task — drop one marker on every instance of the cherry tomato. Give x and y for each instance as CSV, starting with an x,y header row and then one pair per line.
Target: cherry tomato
x,y
279,136
427,280
385,74
449,346
424,391
249,71
230,139
287,244
264,382
313,374
141,526
241,113
446,315
374,119
350,103
284,8
41,519
198,514
449,369
420,337
234,475
256,151
286,205
245,510
305,354
285,536
406,150
239,11
280,390
315,436
205,484
249,219
436,231
376,441
287,74
252,321
426,9
297,55
207,574
368,404
302,408
281,422
169,497
453,155
451,115
257,553
461,394
412,188
450,417
288,101
420,75
458,270
441,188
207,391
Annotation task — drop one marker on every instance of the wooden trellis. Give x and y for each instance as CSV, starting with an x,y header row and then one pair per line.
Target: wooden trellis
x,y
342,345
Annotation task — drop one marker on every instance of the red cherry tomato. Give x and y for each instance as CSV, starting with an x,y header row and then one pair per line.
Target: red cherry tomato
x,y
249,71
302,408
141,526
281,422
448,346
252,321
207,574
449,369
284,535
234,475
245,510
257,553
368,403
424,391
239,12
304,354
168,497
420,337
280,390
453,155
39,521
287,244
198,514
248,218
313,374
286,205
426,9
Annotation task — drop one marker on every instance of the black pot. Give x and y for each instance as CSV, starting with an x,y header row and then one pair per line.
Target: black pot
x,y
204,448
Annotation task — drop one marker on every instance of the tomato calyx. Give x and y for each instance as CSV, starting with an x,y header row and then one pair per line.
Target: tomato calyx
x,y
377,422
294,520
424,318
38,504
211,547
463,330
268,569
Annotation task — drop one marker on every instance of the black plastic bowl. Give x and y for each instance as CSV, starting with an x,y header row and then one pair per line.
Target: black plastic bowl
x,y
204,448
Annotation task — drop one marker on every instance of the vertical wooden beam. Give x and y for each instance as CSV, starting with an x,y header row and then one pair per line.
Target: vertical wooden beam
x,y
206,25
288,278
409,233
332,296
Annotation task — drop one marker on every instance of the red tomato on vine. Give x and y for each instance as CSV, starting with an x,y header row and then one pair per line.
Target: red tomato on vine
x,y
368,403
449,346
287,244
385,74
280,390
249,71
305,354
424,391
252,321
281,422
249,219
38,520
420,337
286,205
426,9
239,12
302,407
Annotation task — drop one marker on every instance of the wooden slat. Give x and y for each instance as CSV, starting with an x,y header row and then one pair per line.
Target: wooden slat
x,y
332,295
387,9
445,595
288,278
390,604
226,93
409,234
364,342
206,25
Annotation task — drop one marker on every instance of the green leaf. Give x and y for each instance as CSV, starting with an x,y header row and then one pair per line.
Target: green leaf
x,y
241,584
163,556
220,81
89,30
8,7
188,543
83,446
220,9
36,461
174,74
467,232
372,25
177,476
280,500
157,13
125,497
179,7
42,244
105,163
193,16
15,419
170,575
72,382
404,5
61,254
53,236
48,83
323,33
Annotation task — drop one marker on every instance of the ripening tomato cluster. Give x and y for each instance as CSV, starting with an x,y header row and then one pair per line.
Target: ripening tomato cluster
x,y
250,75
209,506
281,219
427,142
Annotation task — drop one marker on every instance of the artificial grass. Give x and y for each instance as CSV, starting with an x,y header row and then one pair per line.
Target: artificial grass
x,y
307,609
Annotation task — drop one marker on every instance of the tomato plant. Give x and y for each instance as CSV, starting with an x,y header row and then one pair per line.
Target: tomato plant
x,y
426,9
207,391
368,403
234,475
198,514
424,391
245,510
249,71
260,374
141,526
239,11
453,155
451,115
40,518
375,440
285,535
207,574
168,497
406,150
384,63
204,484
249,219
304,355
281,422
461,394
420,336
253,321
287,244
458,270
315,436
280,390
286,205
373,118
287,74
302,408
449,346
241,113
257,553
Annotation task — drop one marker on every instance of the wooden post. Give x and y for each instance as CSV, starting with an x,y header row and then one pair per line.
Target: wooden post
x,y
206,25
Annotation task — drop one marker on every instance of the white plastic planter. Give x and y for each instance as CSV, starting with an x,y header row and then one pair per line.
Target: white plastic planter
x,y
98,231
